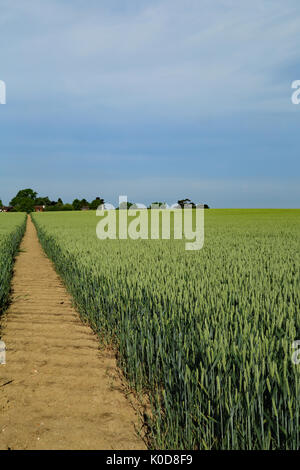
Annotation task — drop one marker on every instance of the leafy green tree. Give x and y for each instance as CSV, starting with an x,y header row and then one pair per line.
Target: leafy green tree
x,y
67,207
161,205
24,201
96,203
23,194
125,205
188,202
25,205
1,204
42,201
84,203
76,204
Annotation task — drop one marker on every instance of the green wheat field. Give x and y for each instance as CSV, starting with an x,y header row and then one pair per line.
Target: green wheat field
x,y
205,335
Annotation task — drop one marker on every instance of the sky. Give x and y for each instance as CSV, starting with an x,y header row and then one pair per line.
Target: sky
x,y
158,100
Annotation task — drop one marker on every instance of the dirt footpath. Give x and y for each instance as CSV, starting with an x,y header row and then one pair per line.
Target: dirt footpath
x,y
57,389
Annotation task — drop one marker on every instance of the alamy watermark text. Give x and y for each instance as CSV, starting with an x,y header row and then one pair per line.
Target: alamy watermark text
x,y
156,223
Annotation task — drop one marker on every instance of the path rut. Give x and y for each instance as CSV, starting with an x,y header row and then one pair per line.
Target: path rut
x,y
58,390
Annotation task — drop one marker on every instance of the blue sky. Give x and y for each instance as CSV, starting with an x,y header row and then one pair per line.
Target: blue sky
x,y
156,99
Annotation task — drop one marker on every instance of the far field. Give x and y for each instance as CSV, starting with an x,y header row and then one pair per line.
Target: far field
x,y
207,335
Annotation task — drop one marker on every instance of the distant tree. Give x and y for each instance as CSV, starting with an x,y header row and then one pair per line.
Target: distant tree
x,y
59,207
84,203
66,207
54,205
1,204
125,205
161,205
42,201
23,194
25,205
76,205
185,202
96,203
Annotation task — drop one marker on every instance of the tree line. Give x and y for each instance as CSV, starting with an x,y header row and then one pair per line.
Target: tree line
x,y
27,199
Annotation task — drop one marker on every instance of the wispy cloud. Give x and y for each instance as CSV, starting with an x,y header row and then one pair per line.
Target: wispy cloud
x,y
206,82
190,57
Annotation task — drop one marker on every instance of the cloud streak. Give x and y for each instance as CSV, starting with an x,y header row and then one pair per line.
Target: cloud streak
x,y
193,57
206,82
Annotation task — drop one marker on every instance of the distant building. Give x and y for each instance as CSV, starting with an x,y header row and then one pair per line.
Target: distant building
x,y
85,208
39,208
6,209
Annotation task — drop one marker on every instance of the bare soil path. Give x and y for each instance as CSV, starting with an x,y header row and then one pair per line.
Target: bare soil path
x,y
58,390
